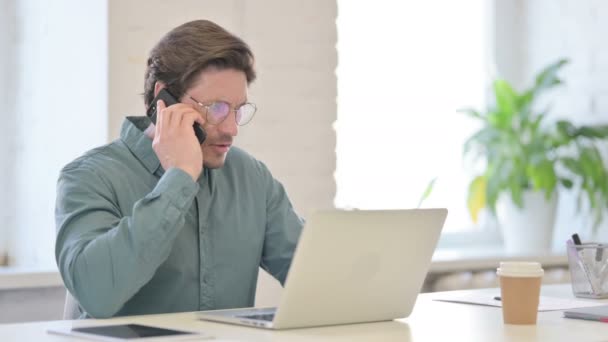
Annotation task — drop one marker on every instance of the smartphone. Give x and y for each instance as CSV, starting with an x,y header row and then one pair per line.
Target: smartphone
x,y
169,99
128,332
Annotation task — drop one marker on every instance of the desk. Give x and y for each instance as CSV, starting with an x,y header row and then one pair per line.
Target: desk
x,y
430,321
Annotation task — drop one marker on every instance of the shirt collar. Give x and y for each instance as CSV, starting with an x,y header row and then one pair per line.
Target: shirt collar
x,y
132,134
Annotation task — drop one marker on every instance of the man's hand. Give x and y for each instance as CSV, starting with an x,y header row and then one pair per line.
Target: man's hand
x,y
174,141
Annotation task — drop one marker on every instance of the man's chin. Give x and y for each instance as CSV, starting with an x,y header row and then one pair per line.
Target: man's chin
x,y
214,164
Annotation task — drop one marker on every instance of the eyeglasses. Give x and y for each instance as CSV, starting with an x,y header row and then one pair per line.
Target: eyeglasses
x,y
217,111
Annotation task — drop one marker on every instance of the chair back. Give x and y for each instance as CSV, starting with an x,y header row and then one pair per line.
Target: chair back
x,y
71,309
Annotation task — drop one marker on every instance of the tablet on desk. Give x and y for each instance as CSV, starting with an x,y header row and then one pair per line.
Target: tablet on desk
x,y
129,332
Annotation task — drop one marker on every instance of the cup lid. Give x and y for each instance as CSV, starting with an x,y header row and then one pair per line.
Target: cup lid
x,y
520,269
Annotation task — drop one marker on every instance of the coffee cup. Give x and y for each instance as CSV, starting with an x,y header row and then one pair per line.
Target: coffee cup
x,y
520,291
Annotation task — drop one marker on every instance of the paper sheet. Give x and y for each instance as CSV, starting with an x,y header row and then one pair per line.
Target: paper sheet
x,y
545,303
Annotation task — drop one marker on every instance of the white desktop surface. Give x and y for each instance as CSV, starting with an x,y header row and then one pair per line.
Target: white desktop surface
x,y
430,321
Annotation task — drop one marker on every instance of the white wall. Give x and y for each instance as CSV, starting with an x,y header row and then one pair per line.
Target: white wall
x,y
8,60
59,111
509,40
576,30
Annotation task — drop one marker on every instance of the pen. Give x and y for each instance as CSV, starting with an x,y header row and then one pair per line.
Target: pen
x,y
599,251
578,246
576,239
596,319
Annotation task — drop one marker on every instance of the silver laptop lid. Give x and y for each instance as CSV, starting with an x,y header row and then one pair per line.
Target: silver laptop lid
x,y
359,266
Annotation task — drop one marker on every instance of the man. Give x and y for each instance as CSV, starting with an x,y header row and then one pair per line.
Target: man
x,y
155,222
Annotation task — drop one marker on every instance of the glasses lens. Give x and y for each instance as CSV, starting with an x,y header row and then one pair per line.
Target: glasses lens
x,y
245,113
217,112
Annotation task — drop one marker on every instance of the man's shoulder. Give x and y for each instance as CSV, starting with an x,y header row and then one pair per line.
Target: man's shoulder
x,y
240,161
238,155
99,158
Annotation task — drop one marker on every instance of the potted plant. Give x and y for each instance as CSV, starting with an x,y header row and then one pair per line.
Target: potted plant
x,y
527,157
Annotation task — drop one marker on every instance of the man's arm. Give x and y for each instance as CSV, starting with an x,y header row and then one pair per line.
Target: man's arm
x,y
283,228
105,257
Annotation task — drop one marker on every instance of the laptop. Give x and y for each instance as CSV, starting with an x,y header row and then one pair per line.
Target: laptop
x,y
350,267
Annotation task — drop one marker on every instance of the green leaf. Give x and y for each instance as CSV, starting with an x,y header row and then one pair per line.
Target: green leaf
x,y
500,120
495,184
543,175
427,191
588,166
566,128
525,100
516,193
506,99
599,132
472,113
477,197
566,183
571,164
590,195
557,134
547,78
482,138
536,122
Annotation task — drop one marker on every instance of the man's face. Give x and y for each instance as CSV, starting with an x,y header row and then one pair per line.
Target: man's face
x,y
230,86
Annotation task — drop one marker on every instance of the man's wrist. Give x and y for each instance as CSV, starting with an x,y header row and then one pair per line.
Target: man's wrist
x,y
194,173
178,186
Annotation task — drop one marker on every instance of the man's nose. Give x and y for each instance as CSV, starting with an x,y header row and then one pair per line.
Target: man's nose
x,y
229,125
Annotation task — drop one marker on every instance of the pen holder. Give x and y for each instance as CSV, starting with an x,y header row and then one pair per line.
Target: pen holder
x,y
589,269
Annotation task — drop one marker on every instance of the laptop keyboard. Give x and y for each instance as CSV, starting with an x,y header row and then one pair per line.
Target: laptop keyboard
x,y
262,317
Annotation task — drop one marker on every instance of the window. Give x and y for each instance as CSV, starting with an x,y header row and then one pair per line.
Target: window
x,y
55,108
404,68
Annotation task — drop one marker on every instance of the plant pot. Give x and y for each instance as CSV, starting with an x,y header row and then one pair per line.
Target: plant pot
x,y
527,230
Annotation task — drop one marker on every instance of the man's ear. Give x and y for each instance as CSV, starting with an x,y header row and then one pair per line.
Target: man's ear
x,y
157,87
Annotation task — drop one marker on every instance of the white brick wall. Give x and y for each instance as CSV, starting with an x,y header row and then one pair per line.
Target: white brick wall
x,y
576,30
531,34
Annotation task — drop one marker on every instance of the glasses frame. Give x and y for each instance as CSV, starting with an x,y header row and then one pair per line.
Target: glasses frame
x,y
206,106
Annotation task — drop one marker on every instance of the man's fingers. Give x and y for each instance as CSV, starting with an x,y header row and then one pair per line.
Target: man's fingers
x,y
177,118
160,105
190,117
161,118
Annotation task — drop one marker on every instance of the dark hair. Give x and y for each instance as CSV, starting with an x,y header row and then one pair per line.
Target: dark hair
x,y
181,54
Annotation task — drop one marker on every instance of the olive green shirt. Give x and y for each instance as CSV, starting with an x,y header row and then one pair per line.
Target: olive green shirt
x,y
135,239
